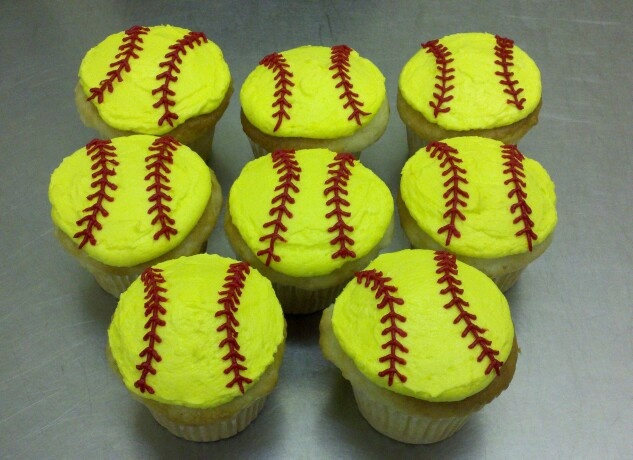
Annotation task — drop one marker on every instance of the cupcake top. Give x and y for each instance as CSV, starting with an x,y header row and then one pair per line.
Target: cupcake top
x,y
151,79
313,92
129,199
471,81
479,197
196,331
422,324
307,212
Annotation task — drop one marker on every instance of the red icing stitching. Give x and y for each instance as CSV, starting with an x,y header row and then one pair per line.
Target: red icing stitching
x,y
230,299
514,166
128,51
277,63
456,195
154,299
169,75
102,154
164,148
337,182
505,53
339,56
442,61
447,268
288,171
379,283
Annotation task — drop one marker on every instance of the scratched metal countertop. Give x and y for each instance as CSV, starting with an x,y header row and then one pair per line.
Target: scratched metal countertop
x,y
572,395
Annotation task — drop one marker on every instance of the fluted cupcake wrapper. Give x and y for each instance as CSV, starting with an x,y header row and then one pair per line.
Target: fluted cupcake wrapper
x,y
203,145
506,280
298,301
259,151
403,427
215,431
414,142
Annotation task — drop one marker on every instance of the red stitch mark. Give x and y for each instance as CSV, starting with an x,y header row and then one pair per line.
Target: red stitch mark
x,y
288,170
230,299
169,75
442,61
456,195
514,166
505,53
337,182
277,63
379,283
102,153
128,50
339,57
447,267
164,148
154,299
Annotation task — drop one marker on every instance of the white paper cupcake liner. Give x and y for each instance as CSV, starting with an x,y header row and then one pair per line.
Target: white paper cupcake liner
x,y
403,427
203,145
414,142
114,284
507,280
297,301
214,431
259,151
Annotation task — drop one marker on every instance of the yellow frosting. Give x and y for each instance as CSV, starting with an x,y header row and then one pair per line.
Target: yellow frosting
x,y
202,83
308,251
488,230
191,370
127,234
439,364
317,110
478,98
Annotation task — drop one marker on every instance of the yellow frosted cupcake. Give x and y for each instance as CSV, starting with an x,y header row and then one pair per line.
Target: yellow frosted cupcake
x,y
481,200
155,80
468,84
425,341
314,97
199,341
122,205
307,220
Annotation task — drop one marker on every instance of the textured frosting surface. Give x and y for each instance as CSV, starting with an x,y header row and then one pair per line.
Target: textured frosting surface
x,y
308,249
202,80
191,369
479,100
488,230
440,366
126,237
317,110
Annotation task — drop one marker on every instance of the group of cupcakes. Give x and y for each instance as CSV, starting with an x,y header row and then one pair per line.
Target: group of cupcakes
x,y
424,335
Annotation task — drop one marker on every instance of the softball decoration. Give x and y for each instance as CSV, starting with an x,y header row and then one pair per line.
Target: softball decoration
x,y
479,199
314,210
128,200
472,329
197,334
313,92
471,81
425,341
150,80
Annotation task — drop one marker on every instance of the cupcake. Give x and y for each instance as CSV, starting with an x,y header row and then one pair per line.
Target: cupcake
x,y
160,80
314,97
425,341
468,84
122,205
307,220
481,200
199,341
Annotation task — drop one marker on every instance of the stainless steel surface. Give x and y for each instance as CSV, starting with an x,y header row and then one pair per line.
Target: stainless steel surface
x,y
572,395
